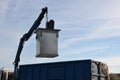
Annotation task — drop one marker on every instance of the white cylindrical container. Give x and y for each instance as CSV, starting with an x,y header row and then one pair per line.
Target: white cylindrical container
x,y
47,42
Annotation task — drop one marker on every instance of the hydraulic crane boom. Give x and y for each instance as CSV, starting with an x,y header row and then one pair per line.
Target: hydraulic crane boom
x,y
25,37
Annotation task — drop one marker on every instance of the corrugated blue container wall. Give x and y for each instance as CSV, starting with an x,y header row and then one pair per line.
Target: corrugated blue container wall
x,y
70,70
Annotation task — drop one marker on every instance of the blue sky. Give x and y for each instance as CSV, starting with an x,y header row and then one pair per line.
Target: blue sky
x,y
90,29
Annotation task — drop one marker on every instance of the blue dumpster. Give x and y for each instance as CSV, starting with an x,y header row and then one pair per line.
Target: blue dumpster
x,y
67,70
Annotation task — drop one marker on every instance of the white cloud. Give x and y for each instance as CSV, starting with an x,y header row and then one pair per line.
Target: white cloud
x,y
78,51
112,62
109,29
3,7
6,57
80,10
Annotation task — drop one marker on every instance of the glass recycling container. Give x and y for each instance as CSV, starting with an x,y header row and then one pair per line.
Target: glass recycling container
x,y
47,42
